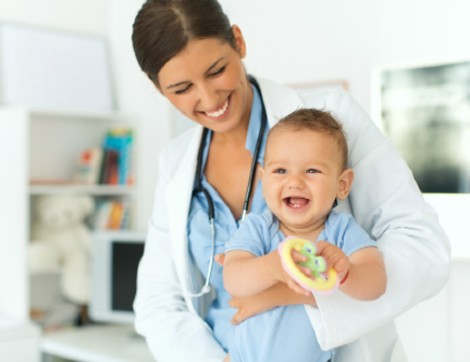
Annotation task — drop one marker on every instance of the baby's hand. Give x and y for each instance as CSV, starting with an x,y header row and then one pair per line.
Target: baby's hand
x,y
293,285
286,278
298,259
335,258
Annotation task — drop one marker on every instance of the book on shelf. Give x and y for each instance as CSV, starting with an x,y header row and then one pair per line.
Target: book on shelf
x,y
110,163
109,168
89,166
118,144
112,214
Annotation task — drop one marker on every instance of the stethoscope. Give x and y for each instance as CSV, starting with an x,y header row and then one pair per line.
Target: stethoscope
x,y
199,188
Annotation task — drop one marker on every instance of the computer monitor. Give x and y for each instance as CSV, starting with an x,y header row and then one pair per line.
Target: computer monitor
x,y
115,257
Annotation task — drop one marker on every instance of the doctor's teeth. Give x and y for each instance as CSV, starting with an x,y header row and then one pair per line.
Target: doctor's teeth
x,y
219,112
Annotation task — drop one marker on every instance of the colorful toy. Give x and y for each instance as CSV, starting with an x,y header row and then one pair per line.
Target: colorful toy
x,y
321,279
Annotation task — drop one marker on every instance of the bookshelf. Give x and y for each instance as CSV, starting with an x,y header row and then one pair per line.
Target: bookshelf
x,y
94,190
38,156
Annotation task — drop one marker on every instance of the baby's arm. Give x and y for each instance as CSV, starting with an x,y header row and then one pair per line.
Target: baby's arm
x,y
246,274
277,295
362,275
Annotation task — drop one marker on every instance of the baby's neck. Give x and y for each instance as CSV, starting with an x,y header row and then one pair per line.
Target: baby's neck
x,y
311,234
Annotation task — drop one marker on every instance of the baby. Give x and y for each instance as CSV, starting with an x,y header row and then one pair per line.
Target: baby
x,y
304,174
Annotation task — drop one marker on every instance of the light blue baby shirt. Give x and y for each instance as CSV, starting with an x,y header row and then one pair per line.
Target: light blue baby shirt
x,y
285,333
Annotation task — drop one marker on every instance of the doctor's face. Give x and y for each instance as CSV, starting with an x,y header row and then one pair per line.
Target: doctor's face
x,y
207,82
302,177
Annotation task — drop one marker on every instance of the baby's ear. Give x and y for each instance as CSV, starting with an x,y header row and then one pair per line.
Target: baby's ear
x,y
345,183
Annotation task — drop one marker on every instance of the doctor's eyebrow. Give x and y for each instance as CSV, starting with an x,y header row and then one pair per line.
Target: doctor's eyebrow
x,y
214,65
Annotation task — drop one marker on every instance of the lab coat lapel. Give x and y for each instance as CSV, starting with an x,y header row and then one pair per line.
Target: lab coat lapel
x,y
279,100
178,199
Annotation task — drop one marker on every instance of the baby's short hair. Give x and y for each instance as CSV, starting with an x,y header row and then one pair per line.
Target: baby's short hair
x,y
314,120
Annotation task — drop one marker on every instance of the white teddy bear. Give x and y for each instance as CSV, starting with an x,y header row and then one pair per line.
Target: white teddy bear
x,y
62,241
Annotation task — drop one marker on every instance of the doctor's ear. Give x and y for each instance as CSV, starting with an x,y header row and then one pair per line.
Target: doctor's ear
x,y
239,40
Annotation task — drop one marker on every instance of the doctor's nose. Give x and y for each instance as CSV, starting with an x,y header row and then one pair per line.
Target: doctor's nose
x,y
207,98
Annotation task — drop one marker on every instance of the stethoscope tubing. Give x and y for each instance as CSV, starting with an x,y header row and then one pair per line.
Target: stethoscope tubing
x,y
249,189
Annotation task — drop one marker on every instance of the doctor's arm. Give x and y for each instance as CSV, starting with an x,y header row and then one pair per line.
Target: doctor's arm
x,y
386,202
172,331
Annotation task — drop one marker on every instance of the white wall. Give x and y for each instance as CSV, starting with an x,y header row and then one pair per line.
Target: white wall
x,y
88,16
308,40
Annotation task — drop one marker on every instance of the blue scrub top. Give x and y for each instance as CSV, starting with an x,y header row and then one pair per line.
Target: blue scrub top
x,y
199,234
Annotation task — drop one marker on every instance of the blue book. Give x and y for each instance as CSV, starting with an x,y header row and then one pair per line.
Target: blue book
x,y
121,140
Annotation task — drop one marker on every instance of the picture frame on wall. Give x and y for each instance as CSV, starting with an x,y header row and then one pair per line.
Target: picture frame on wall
x,y
48,69
425,111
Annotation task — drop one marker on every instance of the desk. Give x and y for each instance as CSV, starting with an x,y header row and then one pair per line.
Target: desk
x,y
108,343
19,342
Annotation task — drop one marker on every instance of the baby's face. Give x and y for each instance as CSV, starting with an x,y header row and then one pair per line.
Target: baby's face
x,y
302,178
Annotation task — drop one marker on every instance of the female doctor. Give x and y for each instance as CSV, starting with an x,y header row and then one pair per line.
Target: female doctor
x,y
207,182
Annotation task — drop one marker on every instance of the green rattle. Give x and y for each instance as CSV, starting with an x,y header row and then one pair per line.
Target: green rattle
x,y
321,278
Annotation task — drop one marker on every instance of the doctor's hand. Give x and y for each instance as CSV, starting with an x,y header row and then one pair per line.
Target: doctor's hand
x,y
219,259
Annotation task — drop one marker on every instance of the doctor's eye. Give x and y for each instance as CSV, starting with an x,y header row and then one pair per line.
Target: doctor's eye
x,y
218,71
183,90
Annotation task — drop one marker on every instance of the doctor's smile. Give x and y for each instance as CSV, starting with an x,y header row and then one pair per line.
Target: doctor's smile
x,y
220,112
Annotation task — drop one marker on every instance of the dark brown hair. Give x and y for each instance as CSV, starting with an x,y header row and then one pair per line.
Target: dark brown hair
x,y
162,28
315,120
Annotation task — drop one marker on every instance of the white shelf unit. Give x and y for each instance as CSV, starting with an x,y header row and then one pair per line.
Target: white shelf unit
x,y
39,150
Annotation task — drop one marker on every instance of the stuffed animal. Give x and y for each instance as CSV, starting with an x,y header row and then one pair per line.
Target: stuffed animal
x,y
61,241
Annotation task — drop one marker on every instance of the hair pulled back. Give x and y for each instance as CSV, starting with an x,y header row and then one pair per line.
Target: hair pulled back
x,y
162,28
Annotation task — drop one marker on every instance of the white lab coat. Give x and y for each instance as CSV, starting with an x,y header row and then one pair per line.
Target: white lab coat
x,y
384,199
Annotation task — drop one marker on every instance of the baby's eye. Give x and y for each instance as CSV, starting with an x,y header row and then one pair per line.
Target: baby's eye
x,y
313,170
280,171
